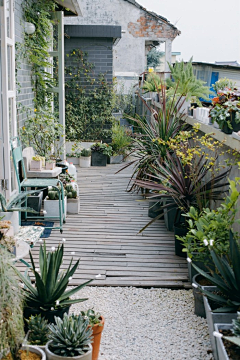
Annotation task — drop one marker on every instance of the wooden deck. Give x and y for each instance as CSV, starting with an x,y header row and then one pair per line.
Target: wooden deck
x,y
105,236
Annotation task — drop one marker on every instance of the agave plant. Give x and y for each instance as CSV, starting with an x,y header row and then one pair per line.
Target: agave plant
x,y
51,283
71,336
38,330
226,278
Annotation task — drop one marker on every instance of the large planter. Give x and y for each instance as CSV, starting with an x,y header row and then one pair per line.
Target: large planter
x,y
155,208
52,207
35,349
85,161
48,315
98,159
52,356
235,126
169,217
97,333
116,159
34,201
199,308
192,271
214,318
179,230
73,205
74,160
221,350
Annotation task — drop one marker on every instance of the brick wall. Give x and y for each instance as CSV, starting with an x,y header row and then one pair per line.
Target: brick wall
x,y
23,79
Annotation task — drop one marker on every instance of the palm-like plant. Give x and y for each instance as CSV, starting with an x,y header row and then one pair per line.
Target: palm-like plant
x,y
153,142
50,287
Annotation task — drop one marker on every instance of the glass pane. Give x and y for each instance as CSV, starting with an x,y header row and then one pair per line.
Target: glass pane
x,y
8,17
9,63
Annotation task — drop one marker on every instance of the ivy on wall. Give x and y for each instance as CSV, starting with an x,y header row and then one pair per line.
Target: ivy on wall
x,y
89,100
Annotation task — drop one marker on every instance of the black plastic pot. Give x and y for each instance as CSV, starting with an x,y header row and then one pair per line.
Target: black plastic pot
x,y
98,159
226,129
169,216
63,166
235,126
34,201
181,230
155,209
48,315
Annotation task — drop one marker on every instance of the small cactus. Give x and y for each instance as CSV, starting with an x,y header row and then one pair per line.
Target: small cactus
x,y
38,330
71,336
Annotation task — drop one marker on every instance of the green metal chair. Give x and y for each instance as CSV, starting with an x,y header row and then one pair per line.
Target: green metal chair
x,y
17,156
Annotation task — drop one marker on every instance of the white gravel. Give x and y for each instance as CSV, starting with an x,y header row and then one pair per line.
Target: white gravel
x,y
147,324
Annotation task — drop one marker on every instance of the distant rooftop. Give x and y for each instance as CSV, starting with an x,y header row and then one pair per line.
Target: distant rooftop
x,y
229,63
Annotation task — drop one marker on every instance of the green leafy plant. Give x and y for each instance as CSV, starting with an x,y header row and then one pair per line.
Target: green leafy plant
x,y
70,336
89,100
37,158
41,131
120,139
11,308
102,148
210,226
185,82
153,83
51,283
86,152
38,330
222,84
226,277
93,317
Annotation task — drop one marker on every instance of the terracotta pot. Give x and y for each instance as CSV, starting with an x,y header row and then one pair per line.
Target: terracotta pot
x,y
97,333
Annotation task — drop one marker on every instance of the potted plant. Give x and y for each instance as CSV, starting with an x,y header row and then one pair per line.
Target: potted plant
x,y
96,322
38,331
152,85
49,298
50,164
73,201
36,163
51,203
11,312
120,143
73,157
70,338
222,302
226,110
100,153
85,158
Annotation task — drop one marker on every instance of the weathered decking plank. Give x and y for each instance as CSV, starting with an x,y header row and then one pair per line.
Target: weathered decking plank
x,y
105,235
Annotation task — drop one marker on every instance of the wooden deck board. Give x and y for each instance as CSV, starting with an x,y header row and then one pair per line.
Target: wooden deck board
x,y
105,236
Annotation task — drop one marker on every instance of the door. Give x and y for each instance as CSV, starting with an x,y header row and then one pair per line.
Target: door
x,y
8,127
214,78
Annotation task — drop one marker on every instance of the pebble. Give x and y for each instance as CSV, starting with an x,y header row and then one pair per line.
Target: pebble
x,y
147,324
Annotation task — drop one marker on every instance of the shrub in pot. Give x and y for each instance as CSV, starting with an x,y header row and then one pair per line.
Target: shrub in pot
x,y
85,158
100,153
70,337
48,296
96,322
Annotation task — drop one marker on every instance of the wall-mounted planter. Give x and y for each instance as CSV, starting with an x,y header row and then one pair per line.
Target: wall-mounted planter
x,y
98,159
36,165
85,161
73,205
52,207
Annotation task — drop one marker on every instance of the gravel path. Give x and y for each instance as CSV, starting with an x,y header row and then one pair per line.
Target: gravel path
x,y
147,324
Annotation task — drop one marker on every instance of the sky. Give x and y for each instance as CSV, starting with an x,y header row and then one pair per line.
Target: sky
x,y
210,29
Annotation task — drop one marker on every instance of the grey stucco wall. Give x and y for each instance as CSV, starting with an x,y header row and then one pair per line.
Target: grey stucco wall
x,y
25,94
138,27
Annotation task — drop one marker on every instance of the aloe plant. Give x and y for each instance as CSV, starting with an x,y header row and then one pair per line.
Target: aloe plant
x,y
71,336
226,278
50,287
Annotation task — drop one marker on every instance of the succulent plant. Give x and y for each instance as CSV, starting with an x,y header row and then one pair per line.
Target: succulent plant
x,y
38,330
70,192
86,152
37,158
71,336
94,318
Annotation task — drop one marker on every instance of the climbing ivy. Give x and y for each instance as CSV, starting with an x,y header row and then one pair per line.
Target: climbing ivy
x,y
89,100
